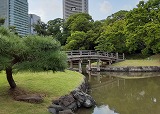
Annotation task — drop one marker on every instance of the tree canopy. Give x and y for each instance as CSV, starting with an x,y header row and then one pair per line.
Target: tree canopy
x,y
142,27
134,31
83,32
33,53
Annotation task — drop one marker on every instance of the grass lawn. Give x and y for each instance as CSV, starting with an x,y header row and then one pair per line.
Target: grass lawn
x,y
51,85
153,60
150,61
138,63
154,57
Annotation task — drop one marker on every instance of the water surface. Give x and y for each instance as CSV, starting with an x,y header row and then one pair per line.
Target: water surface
x,y
124,93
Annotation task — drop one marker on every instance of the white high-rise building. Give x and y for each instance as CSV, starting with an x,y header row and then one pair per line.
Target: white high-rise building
x,y
15,13
33,19
74,6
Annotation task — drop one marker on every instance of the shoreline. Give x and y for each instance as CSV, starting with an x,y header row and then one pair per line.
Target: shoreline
x,y
70,103
128,68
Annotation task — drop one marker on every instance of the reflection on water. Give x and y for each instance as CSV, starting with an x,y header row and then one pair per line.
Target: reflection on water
x,y
103,110
124,93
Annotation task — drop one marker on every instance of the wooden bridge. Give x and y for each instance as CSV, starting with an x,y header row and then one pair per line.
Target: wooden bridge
x,y
89,55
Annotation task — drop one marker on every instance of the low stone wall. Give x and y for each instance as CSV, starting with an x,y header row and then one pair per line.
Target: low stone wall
x,y
77,98
132,69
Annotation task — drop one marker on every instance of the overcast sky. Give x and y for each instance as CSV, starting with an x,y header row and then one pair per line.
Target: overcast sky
x,y
98,9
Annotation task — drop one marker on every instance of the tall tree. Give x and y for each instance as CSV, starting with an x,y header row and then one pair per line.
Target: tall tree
x,y
13,29
120,15
2,21
82,30
56,29
140,20
79,22
40,28
112,38
33,53
76,41
93,34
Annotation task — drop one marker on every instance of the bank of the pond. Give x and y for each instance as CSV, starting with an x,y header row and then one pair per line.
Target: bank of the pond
x,y
132,69
135,66
76,99
132,66
48,84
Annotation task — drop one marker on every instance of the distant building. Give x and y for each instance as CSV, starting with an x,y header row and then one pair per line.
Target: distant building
x,y
74,6
15,13
33,19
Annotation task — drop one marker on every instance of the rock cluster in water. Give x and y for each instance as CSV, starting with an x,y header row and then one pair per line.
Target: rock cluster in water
x,y
68,104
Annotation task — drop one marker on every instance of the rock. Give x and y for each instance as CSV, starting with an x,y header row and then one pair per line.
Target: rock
x,y
66,100
56,102
52,110
79,96
72,106
134,69
30,98
89,102
66,112
56,107
83,99
78,104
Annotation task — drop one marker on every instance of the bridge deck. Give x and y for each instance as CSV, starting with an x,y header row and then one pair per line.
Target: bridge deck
x,y
93,55
80,55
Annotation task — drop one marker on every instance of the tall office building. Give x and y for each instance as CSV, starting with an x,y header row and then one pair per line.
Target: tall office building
x,y
33,19
74,6
15,13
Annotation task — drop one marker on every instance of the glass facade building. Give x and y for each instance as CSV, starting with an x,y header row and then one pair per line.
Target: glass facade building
x,y
15,13
33,19
74,6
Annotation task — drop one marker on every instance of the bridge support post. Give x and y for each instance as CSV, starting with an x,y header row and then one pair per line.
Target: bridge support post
x,y
89,65
110,62
98,65
123,56
71,64
80,66
117,56
89,79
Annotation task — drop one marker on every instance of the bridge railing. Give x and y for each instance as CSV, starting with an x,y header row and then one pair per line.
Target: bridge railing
x,y
92,52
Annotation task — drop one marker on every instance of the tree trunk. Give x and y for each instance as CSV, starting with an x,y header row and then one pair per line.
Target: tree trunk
x,y
10,78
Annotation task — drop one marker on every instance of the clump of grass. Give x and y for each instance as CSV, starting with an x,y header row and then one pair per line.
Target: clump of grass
x,y
52,85
154,57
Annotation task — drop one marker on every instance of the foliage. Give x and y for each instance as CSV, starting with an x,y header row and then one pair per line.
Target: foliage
x,y
143,27
2,21
57,30
79,22
54,28
134,31
13,29
76,41
120,15
33,53
83,32
40,28
113,38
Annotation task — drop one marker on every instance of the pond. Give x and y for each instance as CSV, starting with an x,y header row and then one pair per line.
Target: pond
x,y
124,93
